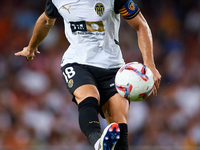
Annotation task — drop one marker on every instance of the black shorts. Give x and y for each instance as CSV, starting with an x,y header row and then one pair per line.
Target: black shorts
x,y
76,75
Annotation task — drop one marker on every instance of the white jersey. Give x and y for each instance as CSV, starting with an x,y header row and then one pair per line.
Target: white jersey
x,y
91,27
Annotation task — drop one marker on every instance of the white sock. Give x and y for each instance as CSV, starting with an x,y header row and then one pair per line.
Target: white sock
x,y
96,145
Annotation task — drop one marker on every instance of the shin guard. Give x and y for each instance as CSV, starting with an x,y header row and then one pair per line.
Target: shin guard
x,y
88,119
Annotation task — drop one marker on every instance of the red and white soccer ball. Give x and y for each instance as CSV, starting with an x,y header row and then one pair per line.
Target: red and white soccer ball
x,y
134,81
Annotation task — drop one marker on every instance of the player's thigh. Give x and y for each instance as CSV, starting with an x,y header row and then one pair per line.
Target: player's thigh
x,y
79,81
85,91
116,109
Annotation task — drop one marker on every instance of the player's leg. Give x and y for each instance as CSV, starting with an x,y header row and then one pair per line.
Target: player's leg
x,y
116,109
82,86
87,98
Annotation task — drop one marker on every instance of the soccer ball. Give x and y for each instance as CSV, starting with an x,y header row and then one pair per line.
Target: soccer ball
x,y
134,81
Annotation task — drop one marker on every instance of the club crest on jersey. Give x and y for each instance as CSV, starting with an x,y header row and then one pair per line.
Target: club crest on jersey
x,y
99,8
131,5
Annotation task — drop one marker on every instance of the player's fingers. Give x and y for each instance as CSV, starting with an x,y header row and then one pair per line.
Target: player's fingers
x,y
157,83
154,90
29,58
37,52
19,53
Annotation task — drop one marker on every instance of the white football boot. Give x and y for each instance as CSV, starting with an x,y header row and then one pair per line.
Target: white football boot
x,y
109,138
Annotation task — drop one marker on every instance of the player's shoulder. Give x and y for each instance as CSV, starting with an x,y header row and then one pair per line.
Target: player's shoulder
x,y
127,8
51,10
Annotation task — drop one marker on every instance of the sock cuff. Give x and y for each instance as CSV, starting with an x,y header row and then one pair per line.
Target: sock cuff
x,y
90,101
123,127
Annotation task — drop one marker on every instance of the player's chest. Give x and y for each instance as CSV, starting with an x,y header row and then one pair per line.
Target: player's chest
x,y
91,10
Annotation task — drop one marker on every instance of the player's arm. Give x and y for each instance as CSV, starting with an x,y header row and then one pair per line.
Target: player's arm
x,y
41,30
130,11
42,27
145,43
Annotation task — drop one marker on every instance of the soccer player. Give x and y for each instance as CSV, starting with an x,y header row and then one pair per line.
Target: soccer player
x,y
91,61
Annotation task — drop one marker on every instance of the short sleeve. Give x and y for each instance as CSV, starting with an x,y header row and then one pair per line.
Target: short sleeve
x,y
51,11
127,8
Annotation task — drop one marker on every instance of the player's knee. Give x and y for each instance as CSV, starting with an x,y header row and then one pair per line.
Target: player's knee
x,y
85,91
79,99
116,109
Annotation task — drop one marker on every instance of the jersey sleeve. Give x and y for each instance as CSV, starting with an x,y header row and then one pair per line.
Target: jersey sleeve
x,y
127,8
51,11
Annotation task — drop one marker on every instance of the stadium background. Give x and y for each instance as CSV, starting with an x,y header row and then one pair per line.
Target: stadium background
x,y
36,112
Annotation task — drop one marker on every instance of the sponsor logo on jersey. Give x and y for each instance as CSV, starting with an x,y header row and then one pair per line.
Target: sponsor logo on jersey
x,y
130,8
95,26
78,26
99,8
87,27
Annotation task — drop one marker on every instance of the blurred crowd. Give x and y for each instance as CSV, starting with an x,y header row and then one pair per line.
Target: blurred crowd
x,y
36,109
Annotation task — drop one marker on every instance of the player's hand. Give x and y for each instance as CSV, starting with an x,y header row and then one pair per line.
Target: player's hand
x,y
28,53
157,79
